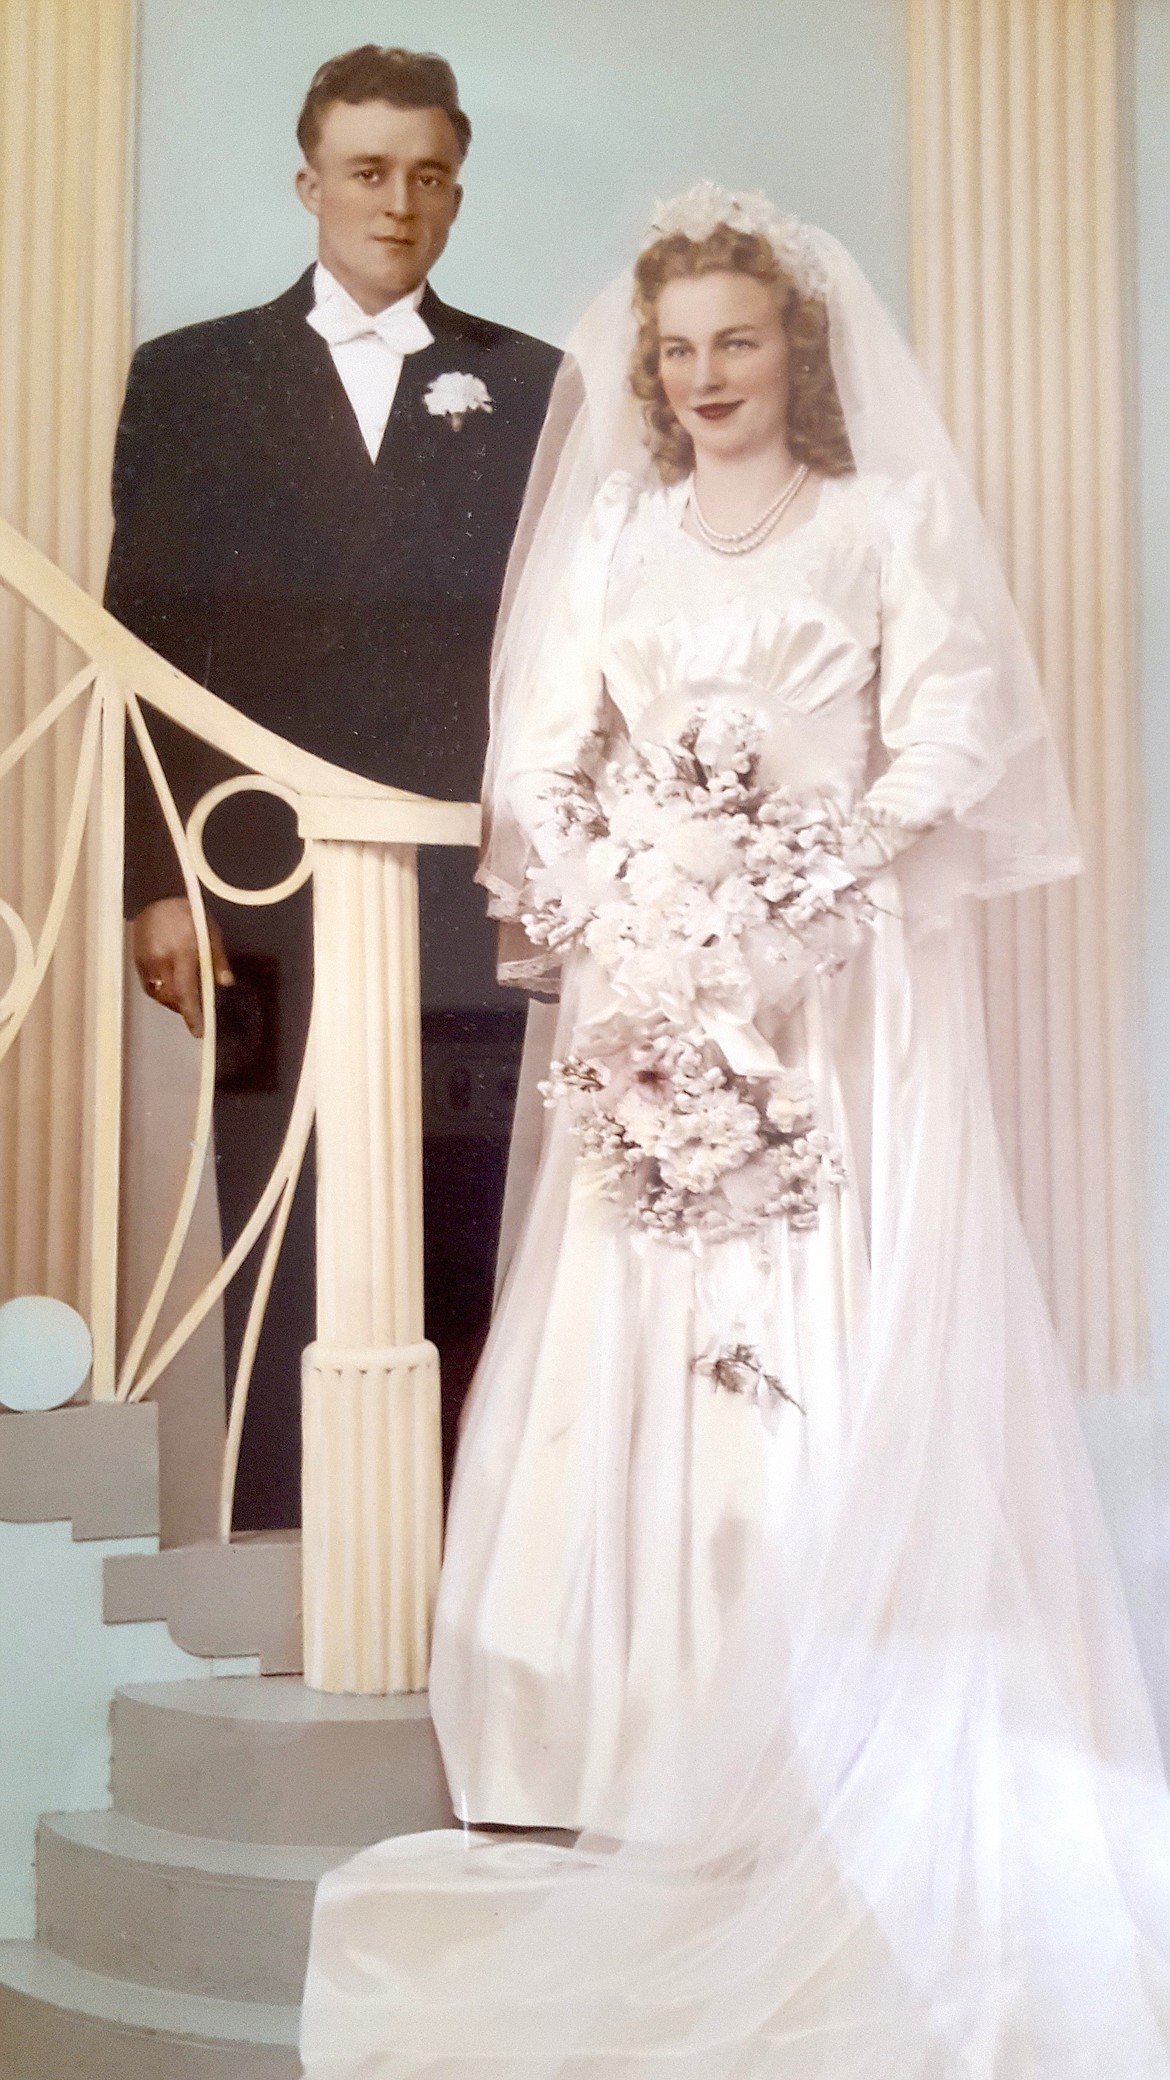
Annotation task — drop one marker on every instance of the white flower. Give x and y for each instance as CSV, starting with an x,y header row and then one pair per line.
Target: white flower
x,y
790,1107
701,209
741,901
648,977
723,979
696,915
453,395
650,877
640,1116
637,818
728,741
703,847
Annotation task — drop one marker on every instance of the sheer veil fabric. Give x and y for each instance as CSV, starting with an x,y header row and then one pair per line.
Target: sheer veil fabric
x,y
916,1825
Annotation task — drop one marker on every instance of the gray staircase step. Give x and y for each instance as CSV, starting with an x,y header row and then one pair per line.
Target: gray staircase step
x,y
95,1462
58,2020
224,1919
263,1759
217,1600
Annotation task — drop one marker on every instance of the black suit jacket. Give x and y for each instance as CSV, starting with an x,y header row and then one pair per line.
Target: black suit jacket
x,y
345,603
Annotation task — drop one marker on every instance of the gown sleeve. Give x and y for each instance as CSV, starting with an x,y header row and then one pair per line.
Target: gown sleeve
x,y
554,717
966,762
565,705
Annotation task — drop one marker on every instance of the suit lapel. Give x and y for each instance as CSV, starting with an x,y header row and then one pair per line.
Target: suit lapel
x,y
410,448
316,416
314,472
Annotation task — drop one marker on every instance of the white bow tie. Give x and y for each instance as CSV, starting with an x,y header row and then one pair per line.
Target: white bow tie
x,y
400,327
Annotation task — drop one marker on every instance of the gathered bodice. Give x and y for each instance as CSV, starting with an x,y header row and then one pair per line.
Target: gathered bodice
x,y
790,631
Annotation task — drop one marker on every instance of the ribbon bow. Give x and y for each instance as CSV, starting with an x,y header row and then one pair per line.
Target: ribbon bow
x,y
399,327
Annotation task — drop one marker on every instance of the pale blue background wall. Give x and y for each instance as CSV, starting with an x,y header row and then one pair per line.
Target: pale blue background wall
x,y
584,111
59,1669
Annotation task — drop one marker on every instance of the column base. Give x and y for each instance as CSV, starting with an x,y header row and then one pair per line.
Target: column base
x,y
372,1516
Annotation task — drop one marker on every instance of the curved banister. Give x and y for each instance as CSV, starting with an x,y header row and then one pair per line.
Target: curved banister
x,y
37,581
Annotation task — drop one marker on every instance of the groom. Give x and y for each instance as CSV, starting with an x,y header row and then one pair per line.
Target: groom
x,y
303,527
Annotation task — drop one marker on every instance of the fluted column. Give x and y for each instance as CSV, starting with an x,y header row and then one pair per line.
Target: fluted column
x,y
372,1449
1021,268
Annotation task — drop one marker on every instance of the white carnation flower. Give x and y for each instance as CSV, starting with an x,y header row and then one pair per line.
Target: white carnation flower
x,y
637,819
703,847
650,876
453,395
605,862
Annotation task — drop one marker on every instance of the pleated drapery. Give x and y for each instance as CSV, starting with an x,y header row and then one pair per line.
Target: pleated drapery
x,y
1020,244
66,111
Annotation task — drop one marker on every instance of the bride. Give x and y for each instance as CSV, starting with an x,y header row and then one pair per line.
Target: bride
x,y
774,1569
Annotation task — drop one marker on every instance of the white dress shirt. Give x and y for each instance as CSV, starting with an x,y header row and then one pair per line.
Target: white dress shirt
x,y
368,352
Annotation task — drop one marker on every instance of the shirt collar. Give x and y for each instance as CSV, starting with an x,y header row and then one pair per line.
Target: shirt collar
x,y
327,289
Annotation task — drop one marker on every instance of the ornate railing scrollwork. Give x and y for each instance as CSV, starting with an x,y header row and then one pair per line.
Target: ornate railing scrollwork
x,y
371,1547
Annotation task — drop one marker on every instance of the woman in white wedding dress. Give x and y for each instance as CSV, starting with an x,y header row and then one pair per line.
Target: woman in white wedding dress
x,y
774,1565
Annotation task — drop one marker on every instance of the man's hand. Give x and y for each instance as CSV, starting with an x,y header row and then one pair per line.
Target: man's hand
x,y
166,955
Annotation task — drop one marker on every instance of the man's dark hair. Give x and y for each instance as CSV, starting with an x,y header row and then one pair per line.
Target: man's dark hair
x,y
406,79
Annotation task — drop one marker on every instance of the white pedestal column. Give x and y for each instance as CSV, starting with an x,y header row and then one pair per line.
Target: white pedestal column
x,y
372,1446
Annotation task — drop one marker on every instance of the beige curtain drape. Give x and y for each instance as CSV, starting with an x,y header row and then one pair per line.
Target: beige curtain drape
x,y
1020,264
66,115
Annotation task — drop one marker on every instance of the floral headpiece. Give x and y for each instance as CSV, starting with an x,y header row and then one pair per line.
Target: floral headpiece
x,y
703,208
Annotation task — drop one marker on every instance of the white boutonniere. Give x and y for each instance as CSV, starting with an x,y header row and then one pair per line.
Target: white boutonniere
x,y
453,396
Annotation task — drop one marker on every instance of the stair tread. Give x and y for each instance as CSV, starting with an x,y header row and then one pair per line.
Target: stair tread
x,y
39,1974
281,1700
261,1758
133,1841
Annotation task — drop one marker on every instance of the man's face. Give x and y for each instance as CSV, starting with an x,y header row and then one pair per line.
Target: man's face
x,y
383,186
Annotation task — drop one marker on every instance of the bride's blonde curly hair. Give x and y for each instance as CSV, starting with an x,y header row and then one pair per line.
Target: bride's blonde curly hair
x,y
816,423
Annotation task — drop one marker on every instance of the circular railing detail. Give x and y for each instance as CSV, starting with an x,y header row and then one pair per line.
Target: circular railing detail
x,y
251,898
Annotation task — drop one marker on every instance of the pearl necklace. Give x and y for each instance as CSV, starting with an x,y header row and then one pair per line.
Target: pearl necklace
x,y
749,537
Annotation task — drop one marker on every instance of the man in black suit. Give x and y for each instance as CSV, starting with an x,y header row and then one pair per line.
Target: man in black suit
x,y
307,523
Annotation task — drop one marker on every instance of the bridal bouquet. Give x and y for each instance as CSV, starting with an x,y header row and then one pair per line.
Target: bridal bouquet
x,y
703,893
691,881
691,1150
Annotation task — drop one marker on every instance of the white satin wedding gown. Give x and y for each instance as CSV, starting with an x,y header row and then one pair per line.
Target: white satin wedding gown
x,y
854,1687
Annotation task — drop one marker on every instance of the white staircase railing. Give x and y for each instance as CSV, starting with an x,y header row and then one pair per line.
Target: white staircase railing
x,y
372,1455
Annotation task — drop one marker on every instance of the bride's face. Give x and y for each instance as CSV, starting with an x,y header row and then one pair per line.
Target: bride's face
x,y
723,361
